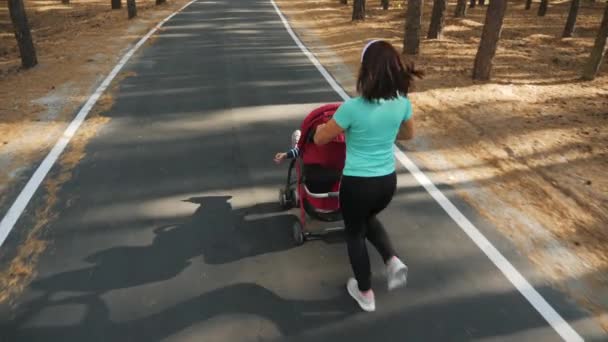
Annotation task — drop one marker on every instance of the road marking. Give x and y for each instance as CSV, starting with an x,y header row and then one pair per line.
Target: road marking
x,y
521,284
16,210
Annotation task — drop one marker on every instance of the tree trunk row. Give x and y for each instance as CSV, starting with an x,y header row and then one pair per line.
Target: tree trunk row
x,y
413,23
359,10
599,49
571,22
489,40
437,19
22,33
542,9
131,9
461,9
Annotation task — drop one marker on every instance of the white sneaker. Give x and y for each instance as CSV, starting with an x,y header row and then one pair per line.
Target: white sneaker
x,y
366,303
295,137
396,274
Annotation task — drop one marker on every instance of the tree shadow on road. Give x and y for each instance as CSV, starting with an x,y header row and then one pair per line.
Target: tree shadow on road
x,y
242,299
215,231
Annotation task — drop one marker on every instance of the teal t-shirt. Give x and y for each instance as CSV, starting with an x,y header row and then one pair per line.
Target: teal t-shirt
x,y
370,130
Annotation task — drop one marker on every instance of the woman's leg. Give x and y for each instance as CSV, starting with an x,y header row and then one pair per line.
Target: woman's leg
x,y
376,234
354,213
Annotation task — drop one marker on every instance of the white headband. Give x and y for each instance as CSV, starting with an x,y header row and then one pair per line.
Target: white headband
x,y
367,46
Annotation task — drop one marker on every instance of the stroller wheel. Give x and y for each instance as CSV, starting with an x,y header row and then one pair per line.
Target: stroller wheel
x,y
294,197
298,234
285,200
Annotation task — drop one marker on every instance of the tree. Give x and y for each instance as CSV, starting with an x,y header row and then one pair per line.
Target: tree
x,y
482,2
461,9
599,49
472,3
116,4
160,2
385,4
528,4
489,39
437,19
131,9
542,9
22,33
571,22
65,2
359,10
413,22
344,2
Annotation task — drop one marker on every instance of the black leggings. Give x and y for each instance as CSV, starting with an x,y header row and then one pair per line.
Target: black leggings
x,y
361,199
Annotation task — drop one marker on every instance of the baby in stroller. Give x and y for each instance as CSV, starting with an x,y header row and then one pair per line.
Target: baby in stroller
x,y
318,171
293,152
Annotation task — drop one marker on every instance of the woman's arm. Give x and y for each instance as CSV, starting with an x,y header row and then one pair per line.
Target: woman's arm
x,y
406,130
327,132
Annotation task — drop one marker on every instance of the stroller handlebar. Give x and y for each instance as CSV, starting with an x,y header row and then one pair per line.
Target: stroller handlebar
x,y
334,194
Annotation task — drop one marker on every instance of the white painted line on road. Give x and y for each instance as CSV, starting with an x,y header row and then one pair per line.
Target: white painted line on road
x,y
517,279
16,210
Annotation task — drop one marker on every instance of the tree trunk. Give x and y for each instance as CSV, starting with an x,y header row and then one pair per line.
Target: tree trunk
x,y
385,4
571,22
344,2
160,2
599,49
482,2
542,9
131,8
461,9
472,3
65,2
489,40
413,22
359,10
437,19
528,4
22,33
116,4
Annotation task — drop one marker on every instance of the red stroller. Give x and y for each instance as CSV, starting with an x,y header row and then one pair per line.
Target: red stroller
x,y
318,173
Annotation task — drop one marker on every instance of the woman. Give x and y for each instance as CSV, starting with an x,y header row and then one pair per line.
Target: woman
x,y
371,123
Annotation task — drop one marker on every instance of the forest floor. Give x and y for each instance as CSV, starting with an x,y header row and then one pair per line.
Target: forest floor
x,y
529,150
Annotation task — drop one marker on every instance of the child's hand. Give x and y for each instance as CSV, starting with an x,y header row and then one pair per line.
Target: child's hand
x,y
278,158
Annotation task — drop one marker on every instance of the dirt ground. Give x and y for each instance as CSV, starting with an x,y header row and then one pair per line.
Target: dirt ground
x,y
528,149
77,46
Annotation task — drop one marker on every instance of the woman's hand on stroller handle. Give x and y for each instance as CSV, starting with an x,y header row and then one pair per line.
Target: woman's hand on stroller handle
x,y
325,133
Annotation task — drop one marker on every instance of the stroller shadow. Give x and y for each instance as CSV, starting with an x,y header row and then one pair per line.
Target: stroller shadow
x,y
215,231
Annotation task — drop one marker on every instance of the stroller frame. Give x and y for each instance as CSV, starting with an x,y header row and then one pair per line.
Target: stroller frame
x,y
295,193
290,197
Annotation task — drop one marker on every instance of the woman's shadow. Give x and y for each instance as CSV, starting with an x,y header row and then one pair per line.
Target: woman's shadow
x,y
215,231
